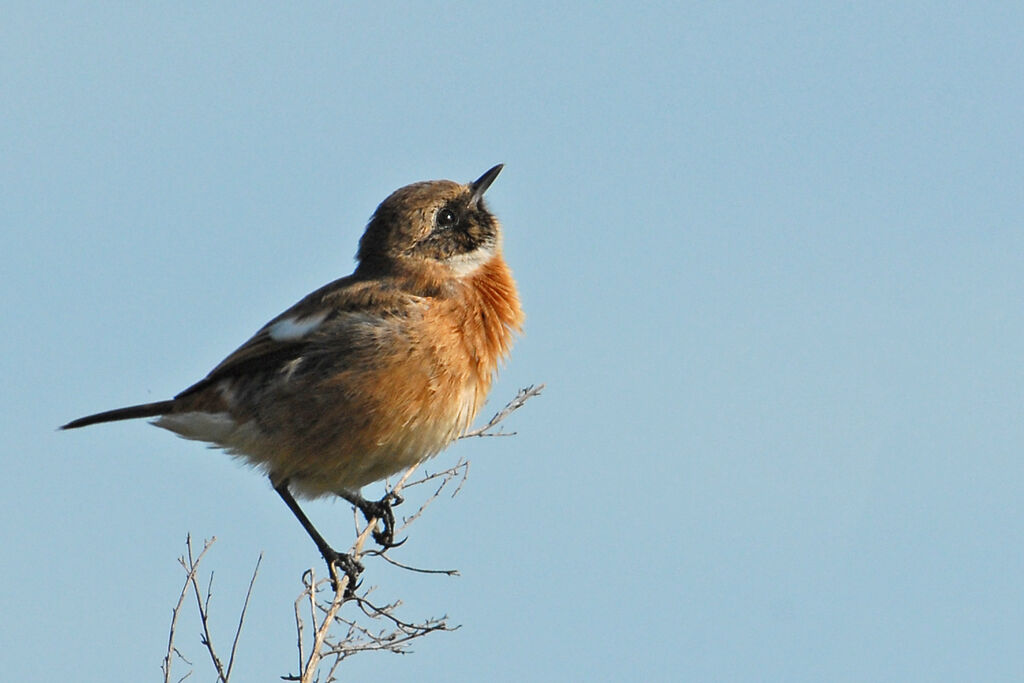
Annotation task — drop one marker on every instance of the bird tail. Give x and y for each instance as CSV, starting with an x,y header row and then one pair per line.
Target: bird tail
x,y
144,410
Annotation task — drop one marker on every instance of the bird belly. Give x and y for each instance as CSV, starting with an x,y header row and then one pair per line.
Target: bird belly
x,y
335,448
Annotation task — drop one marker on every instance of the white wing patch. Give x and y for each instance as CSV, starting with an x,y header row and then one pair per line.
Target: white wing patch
x,y
291,329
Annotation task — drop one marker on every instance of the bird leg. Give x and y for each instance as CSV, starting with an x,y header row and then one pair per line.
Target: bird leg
x,y
374,510
335,560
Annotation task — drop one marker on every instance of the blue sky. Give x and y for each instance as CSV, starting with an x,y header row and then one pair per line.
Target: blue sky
x,y
770,255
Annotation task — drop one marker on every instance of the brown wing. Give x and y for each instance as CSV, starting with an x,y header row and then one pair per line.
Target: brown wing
x,y
287,336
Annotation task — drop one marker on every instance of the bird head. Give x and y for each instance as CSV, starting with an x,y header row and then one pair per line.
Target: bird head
x,y
439,225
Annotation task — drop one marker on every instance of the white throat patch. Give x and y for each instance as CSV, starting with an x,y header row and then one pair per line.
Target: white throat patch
x,y
468,263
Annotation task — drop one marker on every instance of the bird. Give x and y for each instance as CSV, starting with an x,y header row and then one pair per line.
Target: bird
x,y
372,373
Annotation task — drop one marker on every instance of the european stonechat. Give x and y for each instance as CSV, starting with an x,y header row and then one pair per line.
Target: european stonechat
x,y
372,373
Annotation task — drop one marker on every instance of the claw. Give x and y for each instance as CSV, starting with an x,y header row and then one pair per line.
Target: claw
x,y
349,567
395,544
381,510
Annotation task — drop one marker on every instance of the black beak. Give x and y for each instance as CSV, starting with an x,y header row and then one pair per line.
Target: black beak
x,y
481,184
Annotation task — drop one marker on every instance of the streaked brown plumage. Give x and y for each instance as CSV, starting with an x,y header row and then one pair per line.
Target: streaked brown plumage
x,y
371,373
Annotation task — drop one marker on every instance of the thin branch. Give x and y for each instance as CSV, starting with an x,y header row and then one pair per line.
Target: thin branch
x,y
322,631
391,560
515,404
396,634
359,638
241,616
298,620
205,620
166,665
191,568
445,476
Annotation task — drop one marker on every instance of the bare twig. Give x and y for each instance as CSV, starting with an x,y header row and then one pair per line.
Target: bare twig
x,y
515,404
445,476
204,617
334,637
190,563
324,616
393,561
298,620
321,632
241,616
192,568
384,631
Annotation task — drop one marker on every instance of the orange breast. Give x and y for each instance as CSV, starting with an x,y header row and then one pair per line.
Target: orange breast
x,y
424,386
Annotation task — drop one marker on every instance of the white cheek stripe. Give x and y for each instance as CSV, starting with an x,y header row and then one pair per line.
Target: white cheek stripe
x,y
290,329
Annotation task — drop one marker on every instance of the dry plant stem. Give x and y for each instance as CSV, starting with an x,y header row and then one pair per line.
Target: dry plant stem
x,y
192,568
205,619
360,638
298,619
316,653
386,611
515,404
321,646
241,616
445,476
325,615
419,570
190,563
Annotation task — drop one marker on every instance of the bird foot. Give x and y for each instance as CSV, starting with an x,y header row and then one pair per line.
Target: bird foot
x,y
343,564
381,510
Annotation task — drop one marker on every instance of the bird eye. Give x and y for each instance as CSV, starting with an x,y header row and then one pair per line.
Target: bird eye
x,y
446,218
